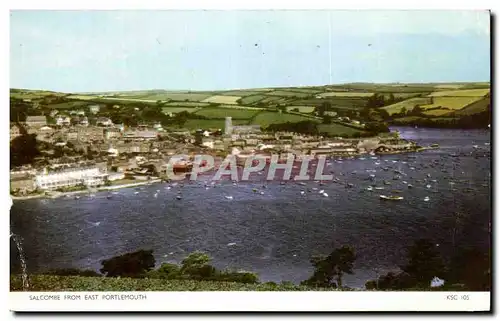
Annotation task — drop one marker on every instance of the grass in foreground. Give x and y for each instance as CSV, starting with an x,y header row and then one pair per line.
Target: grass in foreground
x,y
79,283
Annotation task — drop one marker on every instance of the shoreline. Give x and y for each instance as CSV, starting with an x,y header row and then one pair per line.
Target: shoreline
x,y
85,191
56,194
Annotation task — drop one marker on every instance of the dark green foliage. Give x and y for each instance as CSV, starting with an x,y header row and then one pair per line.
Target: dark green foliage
x,y
325,106
392,281
166,271
472,268
331,267
134,264
424,262
377,127
302,127
327,119
73,272
23,150
241,277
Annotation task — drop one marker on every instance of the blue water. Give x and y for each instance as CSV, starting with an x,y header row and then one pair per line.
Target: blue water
x,y
275,234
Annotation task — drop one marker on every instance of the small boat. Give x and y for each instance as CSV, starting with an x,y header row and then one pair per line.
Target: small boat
x,y
426,199
179,197
428,186
369,188
410,186
302,192
136,193
325,194
77,197
348,185
391,198
387,183
109,197
379,188
229,197
434,145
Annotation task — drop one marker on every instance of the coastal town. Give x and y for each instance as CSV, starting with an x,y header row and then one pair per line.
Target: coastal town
x,y
79,155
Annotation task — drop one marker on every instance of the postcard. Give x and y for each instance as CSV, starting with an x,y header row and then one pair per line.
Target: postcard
x,y
250,160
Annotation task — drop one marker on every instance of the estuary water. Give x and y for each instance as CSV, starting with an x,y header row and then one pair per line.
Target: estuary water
x,y
273,231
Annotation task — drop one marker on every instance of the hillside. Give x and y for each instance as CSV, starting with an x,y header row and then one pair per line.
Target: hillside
x,y
393,103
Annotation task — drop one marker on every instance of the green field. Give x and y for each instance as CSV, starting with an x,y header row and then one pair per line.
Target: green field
x,y
227,112
187,104
474,108
346,94
220,99
175,96
273,100
210,123
70,105
310,91
240,93
284,93
249,100
461,93
408,104
451,102
436,112
302,109
267,118
337,129
175,110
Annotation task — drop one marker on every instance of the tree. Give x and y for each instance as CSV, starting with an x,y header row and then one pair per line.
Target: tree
x,y
134,264
195,265
377,127
327,119
331,267
391,99
471,267
384,114
23,149
424,262
325,106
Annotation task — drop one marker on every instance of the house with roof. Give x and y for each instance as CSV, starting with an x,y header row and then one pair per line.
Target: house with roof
x,y
36,121
104,121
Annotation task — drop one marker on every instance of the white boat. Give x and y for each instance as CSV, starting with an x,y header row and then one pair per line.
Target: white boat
x,y
325,194
379,188
426,199
391,198
410,186
136,193
428,186
369,188
229,197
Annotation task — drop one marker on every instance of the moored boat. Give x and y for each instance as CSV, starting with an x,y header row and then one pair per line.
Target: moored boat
x,y
391,197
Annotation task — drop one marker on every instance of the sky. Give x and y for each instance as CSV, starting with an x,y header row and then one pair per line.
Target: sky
x,y
92,51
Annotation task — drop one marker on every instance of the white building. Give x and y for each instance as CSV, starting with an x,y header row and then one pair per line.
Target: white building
x,y
104,121
94,109
88,176
63,121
